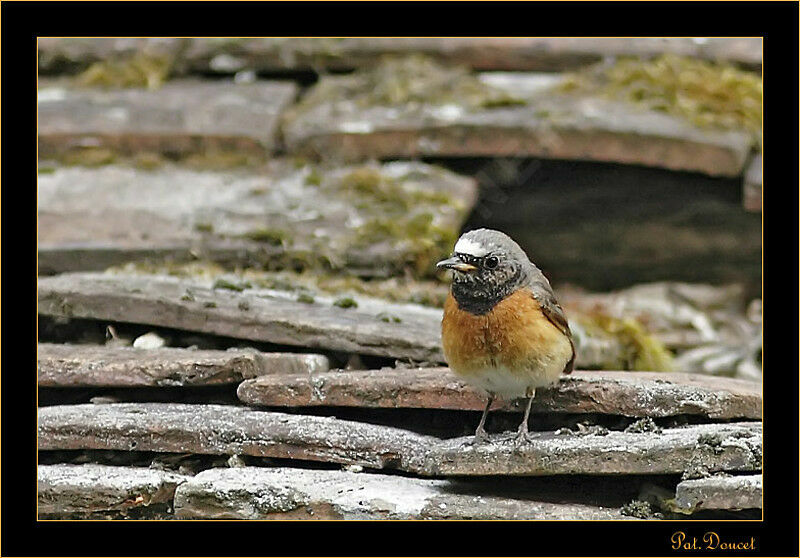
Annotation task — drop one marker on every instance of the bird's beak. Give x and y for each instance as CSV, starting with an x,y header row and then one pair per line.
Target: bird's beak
x,y
456,264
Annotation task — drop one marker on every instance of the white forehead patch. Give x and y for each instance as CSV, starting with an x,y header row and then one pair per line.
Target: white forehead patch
x,y
467,246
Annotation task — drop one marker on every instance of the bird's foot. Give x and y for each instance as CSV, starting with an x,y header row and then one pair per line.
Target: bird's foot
x,y
522,436
481,437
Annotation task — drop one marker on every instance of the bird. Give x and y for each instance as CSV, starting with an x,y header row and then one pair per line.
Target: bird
x,y
503,329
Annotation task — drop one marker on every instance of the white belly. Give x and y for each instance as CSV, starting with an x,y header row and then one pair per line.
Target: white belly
x,y
508,385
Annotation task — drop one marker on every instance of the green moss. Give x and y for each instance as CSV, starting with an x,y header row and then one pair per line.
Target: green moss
x,y
204,227
314,178
243,305
389,318
275,237
187,296
644,351
88,157
345,302
46,170
394,289
412,80
305,298
210,304
222,283
709,94
425,242
221,159
138,70
148,160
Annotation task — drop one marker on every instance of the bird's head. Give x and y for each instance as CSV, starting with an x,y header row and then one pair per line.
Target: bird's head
x,y
487,266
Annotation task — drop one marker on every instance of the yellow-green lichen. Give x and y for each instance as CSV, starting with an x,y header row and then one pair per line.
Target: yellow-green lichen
x,y
88,157
410,81
403,216
642,350
274,237
709,94
138,70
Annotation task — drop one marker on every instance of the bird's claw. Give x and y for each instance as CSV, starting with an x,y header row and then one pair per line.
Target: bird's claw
x,y
481,437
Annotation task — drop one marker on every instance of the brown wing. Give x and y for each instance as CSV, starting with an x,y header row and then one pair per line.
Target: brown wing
x,y
552,310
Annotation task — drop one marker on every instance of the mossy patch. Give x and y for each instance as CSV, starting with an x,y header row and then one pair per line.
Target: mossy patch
x,y
88,157
204,160
274,237
402,215
222,283
708,94
345,302
305,298
137,70
409,82
395,289
221,159
389,318
643,350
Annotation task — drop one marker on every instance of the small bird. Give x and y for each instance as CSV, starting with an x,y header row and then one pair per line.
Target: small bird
x,y
503,329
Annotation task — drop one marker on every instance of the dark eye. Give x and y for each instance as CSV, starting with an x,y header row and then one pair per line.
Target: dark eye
x,y
491,262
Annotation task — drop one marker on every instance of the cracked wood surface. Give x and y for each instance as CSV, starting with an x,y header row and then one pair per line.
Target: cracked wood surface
x,y
93,365
229,430
632,394
287,493
182,116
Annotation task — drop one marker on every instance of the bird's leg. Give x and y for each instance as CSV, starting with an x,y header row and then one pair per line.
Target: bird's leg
x,y
522,432
480,433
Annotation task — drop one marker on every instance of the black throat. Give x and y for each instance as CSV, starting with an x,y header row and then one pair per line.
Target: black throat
x,y
479,301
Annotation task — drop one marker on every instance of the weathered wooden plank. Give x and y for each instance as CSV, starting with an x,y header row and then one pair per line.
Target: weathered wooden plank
x,y
283,215
720,493
632,394
286,493
498,53
550,124
181,117
218,429
752,189
254,314
92,365
91,488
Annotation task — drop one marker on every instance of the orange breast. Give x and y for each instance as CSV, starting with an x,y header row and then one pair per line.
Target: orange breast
x,y
514,336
